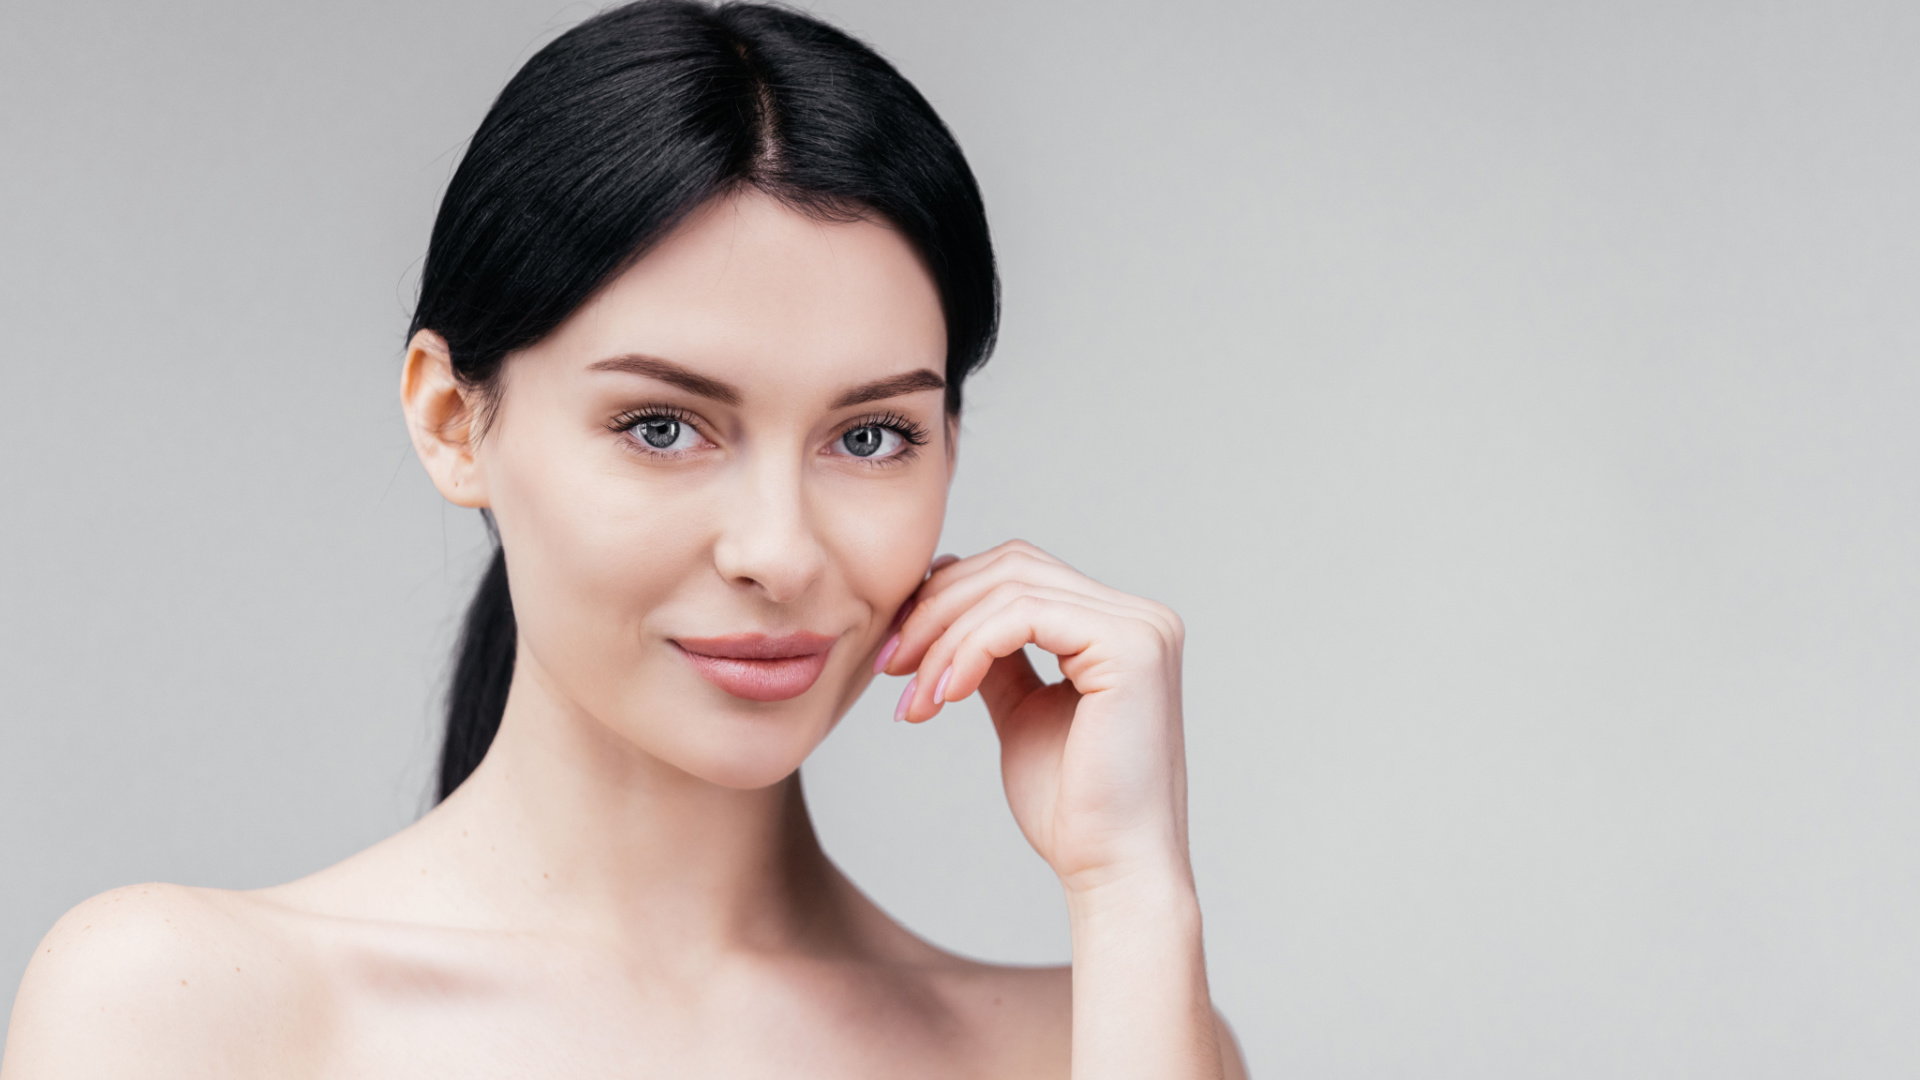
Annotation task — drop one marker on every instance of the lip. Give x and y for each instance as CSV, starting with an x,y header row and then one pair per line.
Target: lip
x,y
759,667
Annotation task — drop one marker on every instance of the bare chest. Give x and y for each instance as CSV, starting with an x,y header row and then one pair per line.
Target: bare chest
x,y
563,1018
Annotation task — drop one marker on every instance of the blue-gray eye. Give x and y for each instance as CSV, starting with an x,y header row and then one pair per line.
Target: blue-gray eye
x,y
659,432
865,441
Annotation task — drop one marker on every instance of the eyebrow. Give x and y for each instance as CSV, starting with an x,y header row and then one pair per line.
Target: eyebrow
x,y
672,374
892,386
727,394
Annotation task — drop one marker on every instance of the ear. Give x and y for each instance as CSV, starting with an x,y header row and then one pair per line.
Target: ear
x,y
441,416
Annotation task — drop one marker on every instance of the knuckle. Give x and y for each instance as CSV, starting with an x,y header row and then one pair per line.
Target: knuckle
x,y
937,657
1001,562
1176,626
1148,634
1007,591
1026,549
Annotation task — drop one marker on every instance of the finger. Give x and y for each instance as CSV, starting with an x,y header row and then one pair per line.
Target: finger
x,y
936,680
1009,681
925,694
934,610
1009,559
953,571
1066,627
936,665
938,606
957,567
891,640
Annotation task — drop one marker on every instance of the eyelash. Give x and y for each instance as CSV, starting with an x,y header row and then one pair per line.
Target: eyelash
x,y
910,432
632,418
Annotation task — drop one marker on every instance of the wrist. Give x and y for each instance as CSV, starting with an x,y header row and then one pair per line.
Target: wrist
x,y
1161,890
1140,1003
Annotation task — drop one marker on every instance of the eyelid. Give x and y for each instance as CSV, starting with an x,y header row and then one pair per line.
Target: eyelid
x,y
629,419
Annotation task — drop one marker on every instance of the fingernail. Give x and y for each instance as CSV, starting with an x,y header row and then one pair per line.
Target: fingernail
x,y
886,654
906,698
945,560
940,688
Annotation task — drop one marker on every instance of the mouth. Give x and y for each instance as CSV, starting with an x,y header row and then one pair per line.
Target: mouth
x,y
759,667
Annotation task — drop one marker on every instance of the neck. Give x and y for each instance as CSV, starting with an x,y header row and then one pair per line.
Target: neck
x,y
568,824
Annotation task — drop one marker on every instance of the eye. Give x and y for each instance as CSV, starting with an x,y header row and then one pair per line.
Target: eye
x,y
659,431
888,438
870,441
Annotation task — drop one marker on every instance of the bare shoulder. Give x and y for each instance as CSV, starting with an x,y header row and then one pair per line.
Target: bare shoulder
x,y
158,981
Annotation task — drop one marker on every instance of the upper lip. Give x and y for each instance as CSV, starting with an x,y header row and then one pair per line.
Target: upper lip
x,y
758,646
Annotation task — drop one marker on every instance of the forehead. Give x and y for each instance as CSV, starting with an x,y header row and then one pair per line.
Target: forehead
x,y
753,292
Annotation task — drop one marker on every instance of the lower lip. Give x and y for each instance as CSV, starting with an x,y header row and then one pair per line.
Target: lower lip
x,y
759,680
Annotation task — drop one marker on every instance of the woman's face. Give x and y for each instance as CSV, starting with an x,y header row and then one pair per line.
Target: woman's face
x,y
718,481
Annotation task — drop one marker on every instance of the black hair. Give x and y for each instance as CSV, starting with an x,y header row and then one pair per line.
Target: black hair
x,y
612,134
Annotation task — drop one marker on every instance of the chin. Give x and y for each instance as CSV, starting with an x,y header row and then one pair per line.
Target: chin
x,y
732,742
746,758
746,744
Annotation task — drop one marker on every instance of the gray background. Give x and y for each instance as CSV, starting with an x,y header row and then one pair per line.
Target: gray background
x,y
1519,401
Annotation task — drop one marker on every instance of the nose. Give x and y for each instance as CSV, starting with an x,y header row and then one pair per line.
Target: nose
x,y
767,542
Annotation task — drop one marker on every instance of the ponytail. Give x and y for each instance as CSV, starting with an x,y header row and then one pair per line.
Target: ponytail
x,y
482,672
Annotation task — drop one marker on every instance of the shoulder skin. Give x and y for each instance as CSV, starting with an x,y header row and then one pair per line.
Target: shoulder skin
x,y
163,981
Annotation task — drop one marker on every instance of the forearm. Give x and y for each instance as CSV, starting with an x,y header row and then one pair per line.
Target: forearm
x,y
1140,1001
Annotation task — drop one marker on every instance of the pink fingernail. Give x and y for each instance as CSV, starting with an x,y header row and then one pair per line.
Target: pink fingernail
x,y
945,560
940,688
906,698
886,654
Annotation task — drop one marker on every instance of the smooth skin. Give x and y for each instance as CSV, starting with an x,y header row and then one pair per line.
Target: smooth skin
x,y
629,884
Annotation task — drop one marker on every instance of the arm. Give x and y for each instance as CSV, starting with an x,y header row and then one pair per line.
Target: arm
x,y
1095,771
1140,1001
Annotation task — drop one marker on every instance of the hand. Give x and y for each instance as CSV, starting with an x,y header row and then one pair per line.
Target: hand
x,y
1095,765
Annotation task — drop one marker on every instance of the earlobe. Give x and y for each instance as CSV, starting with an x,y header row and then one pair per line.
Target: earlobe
x,y
440,416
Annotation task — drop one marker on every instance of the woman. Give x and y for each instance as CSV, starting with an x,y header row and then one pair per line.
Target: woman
x,y
693,325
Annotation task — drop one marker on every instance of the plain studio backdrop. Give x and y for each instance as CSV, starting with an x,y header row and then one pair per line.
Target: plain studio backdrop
x,y
1520,402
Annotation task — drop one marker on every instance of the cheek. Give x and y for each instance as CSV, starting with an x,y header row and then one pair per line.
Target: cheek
x,y
590,553
884,539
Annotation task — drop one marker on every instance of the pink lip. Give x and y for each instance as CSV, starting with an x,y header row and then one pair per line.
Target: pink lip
x,y
758,667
